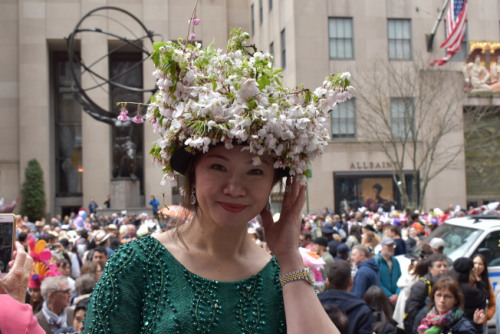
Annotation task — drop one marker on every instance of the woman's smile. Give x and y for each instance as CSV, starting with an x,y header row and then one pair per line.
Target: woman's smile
x,y
233,208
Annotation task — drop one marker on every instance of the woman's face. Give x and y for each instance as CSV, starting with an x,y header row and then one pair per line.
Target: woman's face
x,y
478,266
444,300
230,188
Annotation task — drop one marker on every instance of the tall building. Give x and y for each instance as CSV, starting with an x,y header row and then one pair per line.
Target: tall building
x,y
85,153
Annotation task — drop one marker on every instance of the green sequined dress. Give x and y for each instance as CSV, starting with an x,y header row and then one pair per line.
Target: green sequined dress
x,y
144,289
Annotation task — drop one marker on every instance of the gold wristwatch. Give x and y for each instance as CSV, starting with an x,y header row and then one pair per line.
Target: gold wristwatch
x,y
305,274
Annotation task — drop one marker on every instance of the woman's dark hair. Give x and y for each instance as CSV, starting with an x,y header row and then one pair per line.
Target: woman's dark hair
x,y
451,285
420,267
356,231
484,274
376,298
82,305
339,318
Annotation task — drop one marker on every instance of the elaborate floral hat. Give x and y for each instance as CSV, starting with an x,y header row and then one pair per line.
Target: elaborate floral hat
x,y
208,97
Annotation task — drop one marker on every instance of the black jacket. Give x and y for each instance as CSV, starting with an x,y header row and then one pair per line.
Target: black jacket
x,y
475,298
360,315
417,301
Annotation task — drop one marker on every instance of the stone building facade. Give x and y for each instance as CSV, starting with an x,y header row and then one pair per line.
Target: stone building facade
x,y
42,120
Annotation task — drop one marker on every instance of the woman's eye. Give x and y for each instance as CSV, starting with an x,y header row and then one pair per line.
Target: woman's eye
x,y
256,171
218,167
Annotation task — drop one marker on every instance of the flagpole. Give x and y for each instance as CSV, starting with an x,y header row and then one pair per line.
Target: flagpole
x,y
429,38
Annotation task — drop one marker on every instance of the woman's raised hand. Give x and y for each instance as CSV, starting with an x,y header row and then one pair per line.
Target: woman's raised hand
x,y
282,237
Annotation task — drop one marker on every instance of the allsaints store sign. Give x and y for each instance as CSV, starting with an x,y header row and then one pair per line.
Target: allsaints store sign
x,y
370,165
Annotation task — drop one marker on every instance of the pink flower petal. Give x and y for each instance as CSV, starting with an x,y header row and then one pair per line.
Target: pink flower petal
x,y
138,119
192,36
45,255
123,116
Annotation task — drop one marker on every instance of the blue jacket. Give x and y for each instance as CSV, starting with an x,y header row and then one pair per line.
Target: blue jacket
x,y
359,314
366,276
388,279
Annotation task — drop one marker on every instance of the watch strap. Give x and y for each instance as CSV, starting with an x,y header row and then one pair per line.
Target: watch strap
x,y
302,274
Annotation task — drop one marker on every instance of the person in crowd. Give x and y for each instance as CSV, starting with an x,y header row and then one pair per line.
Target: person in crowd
x,y
65,270
305,240
101,239
79,315
446,310
16,317
481,274
416,270
475,291
93,268
155,204
342,252
370,240
367,270
84,286
437,245
57,296
354,237
412,241
360,315
208,275
329,232
383,322
93,206
107,202
389,270
74,258
100,256
319,245
415,308
395,234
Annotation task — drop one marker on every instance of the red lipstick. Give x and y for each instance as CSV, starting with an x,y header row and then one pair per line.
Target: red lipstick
x,y
233,208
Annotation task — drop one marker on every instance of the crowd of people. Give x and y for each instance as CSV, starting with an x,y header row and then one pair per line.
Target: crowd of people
x,y
363,281
360,283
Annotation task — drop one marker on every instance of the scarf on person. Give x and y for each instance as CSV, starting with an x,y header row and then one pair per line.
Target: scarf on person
x,y
433,322
55,321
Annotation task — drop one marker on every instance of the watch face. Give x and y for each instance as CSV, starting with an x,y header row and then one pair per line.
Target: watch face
x,y
312,278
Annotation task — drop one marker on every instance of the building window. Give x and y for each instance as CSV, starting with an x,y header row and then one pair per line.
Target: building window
x,y
252,20
126,69
261,12
399,39
402,117
343,121
283,48
270,4
340,38
462,54
271,49
68,129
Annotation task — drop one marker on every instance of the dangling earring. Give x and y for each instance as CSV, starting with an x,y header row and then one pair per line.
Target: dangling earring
x,y
268,206
192,198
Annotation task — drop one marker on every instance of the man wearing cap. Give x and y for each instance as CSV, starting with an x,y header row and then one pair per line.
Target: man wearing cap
x,y
437,245
367,273
328,230
340,281
101,238
415,308
319,245
389,270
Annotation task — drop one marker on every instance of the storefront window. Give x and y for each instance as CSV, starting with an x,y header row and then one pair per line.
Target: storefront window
x,y
375,192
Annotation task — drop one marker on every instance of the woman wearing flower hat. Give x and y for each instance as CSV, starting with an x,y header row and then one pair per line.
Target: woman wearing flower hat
x,y
233,131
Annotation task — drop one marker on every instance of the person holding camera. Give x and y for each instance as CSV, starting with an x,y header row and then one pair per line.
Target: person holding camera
x,y
16,317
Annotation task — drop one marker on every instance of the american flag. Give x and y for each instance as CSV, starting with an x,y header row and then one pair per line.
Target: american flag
x,y
456,20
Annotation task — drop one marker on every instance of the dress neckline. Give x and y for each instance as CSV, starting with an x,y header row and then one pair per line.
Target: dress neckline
x,y
178,263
